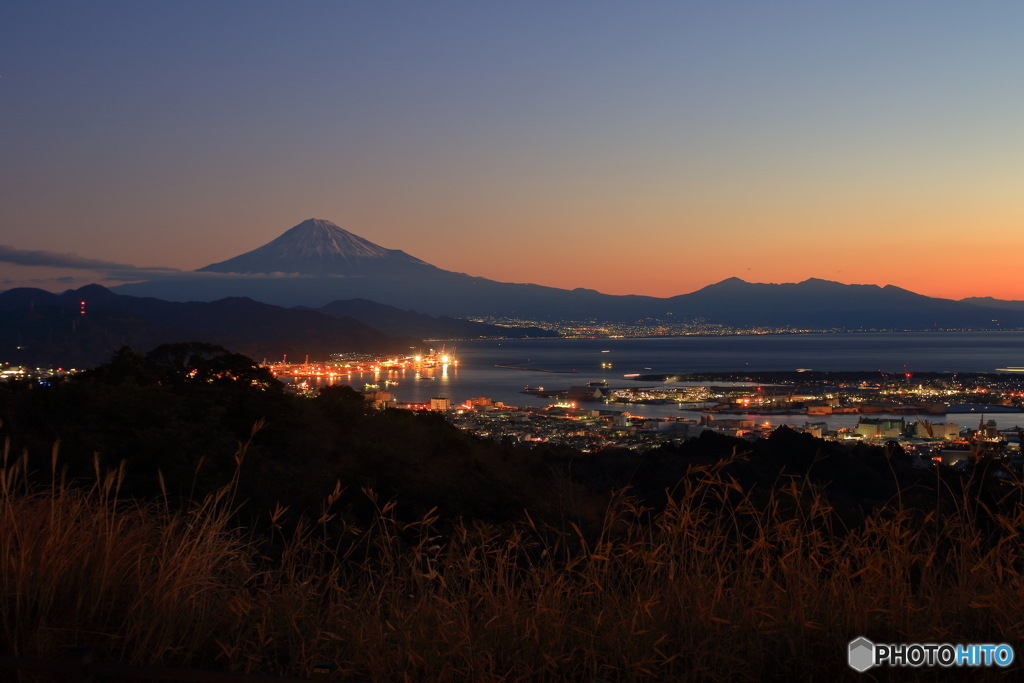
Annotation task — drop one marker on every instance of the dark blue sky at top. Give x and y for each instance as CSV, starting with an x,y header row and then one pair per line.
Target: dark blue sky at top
x,y
133,131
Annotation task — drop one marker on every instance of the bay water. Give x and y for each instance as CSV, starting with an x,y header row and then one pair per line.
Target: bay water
x,y
575,362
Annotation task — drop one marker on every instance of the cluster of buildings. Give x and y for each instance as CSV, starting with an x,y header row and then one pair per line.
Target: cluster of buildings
x,y
936,396
946,442
590,429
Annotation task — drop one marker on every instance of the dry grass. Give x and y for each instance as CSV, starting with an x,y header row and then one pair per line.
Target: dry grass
x,y
714,588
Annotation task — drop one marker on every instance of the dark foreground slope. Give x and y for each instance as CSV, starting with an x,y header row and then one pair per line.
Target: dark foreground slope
x,y
182,410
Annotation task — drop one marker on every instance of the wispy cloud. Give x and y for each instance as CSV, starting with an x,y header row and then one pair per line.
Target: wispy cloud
x,y
145,274
112,271
47,282
53,259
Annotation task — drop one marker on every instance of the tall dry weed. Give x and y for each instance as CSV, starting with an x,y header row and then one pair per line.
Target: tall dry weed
x,y
718,586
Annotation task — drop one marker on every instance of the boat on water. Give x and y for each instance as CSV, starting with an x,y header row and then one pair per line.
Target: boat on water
x,y
371,386
597,383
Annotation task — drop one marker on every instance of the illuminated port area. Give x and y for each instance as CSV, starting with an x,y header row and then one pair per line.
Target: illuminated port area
x,y
938,419
362,371
10,372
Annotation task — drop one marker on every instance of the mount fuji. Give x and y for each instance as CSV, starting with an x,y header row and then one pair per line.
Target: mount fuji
x,y
317,262
320,248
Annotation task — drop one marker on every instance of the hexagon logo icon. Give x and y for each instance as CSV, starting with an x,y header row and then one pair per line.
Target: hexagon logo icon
x,y
862,654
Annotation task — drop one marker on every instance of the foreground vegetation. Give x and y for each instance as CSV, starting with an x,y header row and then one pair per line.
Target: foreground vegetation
x,y
719,565
713,587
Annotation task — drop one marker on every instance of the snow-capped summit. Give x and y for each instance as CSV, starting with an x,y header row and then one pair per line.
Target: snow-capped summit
x,y
315,247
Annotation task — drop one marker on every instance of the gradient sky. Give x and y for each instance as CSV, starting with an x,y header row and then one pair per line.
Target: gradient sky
x,y
641,147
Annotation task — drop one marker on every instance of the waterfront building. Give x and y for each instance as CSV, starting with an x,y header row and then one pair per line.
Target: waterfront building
x,y
585,394
816,429
880,428
381,399
947,431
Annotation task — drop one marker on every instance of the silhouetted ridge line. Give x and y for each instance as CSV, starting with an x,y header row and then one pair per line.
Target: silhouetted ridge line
x,y
40,328
332,264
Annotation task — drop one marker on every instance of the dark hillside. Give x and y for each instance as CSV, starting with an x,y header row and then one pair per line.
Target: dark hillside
x,y
49,328
50,336
391,320
182,410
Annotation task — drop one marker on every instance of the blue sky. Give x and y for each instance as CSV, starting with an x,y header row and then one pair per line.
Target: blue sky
x,y
554,142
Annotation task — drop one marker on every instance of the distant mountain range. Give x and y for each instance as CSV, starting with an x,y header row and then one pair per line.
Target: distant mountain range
x,y
317,262
823,304
994,303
